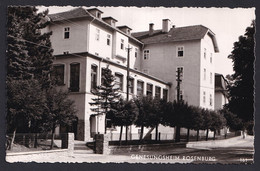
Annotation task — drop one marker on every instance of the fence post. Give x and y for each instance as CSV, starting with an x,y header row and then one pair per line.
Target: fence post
x,y
67,141
159,136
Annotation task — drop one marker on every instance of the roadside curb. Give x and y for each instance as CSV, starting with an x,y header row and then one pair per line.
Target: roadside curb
x,y
35,152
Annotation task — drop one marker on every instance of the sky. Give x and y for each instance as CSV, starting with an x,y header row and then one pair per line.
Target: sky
x,y
227,24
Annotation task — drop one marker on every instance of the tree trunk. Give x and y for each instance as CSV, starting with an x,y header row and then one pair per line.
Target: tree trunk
x,y
156,133
198,132
120,136
52,136
35,140
178,134
207,134
12,141
142,131
188,135
126,132
214,135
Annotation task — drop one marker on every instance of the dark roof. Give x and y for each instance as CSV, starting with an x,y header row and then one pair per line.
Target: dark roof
x,y
74,13
176,34
106,18
95,9
120,27
81,13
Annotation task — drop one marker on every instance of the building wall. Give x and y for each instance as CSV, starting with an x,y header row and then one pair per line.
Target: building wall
x,y
163,63
220,100
77,41
99,47
207,85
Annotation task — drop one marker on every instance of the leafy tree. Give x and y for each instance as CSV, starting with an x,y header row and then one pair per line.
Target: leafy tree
x,y
60,110
106,94
123,113
232,121
207,121
241,88
25,106
218,122
144,105
198,119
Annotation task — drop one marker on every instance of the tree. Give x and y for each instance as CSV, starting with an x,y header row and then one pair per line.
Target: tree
x,y
198,119
106,94
208,120
60,111
123,113
25,106
241,88
232,121
218,122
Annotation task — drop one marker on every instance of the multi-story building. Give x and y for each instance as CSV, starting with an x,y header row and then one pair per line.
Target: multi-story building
x,y
84,43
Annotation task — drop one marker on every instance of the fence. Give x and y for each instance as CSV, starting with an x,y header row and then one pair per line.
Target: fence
x,y
33,141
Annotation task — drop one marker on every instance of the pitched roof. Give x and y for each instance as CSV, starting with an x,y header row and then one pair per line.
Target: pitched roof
x,y
176,34
74,13
81,13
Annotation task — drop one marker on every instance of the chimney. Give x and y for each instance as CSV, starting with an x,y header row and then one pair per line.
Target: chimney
x,y
151,29
166,25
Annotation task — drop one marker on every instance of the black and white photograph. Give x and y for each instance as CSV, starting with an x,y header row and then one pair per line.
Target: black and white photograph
x,y
103,84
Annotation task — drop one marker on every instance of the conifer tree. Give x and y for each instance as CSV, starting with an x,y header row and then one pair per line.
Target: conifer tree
x,y
106,94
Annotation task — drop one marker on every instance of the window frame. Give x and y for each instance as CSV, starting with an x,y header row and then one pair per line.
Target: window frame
x,y
93,76
97,34
66,33
148,92
138,89
76,87
156,93
131,81
108,40
204,97
177,51
146,55
122,44
204,74
165,94
121,80
54,74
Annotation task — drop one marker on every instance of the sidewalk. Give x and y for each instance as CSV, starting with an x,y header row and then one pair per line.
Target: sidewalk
x,y
80,156
248,142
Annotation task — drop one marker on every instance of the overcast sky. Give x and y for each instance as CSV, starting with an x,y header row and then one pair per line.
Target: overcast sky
x,y
228,24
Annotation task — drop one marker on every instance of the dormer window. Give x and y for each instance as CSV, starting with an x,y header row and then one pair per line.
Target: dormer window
x,y
66,33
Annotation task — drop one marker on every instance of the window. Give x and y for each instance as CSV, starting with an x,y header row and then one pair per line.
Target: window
x,y
204,97
131,85
157,92
66,33
93,77
58,74
146,54
136,52
181,70
140,88
74,77
149,89
204,73
165,94
108,39
211,78
210,99
205,53
210,57
180,51
119,81
122,44
97,34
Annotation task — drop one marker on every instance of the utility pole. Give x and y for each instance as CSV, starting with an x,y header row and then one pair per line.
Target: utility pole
x,y
179,80
127,84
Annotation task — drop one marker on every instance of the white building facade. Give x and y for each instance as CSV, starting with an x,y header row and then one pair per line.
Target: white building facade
x,y
84,43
